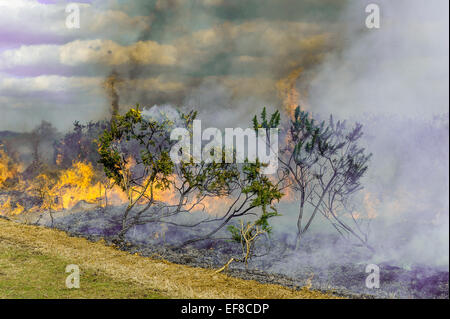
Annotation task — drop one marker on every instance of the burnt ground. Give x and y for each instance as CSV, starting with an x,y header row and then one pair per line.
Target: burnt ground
x,y
335,269
343,280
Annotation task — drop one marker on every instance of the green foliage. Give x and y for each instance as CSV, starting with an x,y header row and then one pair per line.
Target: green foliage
x,y
263,192
261,223
134,140
322,162
310,138
260,185
235,233
274,121
135,153
263,189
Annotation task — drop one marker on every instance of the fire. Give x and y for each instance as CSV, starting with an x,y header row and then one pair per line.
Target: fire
x,y
370,204
210,205
8,169
216,206
77,184
162,195
288,92
6,206
82,183
55,189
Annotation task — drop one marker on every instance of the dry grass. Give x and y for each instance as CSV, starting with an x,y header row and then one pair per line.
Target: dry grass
x,y
174,281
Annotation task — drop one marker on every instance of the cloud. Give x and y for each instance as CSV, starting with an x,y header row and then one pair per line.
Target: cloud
x,y
51,83
29,55
25,101
25,22
85,52
110,53
165,51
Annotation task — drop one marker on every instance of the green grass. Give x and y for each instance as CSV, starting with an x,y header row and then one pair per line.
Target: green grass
x,y
33,262
26,273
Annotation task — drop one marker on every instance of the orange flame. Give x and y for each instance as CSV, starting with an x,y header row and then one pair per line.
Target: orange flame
x,y
8,169
288,92
81,183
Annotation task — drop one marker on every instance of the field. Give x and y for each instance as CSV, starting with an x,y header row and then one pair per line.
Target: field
x,y
33,261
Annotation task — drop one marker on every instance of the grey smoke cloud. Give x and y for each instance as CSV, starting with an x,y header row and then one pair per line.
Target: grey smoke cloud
x,y
166,52
395,81
401,68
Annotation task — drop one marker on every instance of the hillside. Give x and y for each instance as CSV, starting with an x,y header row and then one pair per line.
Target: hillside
x,y
33,261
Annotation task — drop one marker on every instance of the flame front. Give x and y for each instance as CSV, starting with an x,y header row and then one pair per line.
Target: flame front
x,y
288,92
56,190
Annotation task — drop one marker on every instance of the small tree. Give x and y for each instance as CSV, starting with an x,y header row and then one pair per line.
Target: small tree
x,y
44,187
135,154
324,165
252,193
43,134
247,235
341,165
79,145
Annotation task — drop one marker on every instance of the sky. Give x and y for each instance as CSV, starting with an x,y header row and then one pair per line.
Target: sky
x,y
207,54
225,58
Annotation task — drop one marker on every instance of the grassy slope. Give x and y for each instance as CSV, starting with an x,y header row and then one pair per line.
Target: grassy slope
x,y
28,273
33,261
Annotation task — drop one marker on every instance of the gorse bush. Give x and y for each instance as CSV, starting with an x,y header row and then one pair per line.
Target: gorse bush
x,y
134,152
323,164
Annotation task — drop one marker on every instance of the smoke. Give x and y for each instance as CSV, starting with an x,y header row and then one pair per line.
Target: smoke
x,y
163,113
224,56
233,59
110,85
401,68
395,81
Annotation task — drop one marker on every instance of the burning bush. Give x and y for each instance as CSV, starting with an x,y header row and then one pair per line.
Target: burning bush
x,y
135,154
9,170
52,188
80,145
63,189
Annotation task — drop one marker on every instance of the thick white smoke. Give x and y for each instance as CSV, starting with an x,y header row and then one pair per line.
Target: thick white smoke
x,y
401,68
395,81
